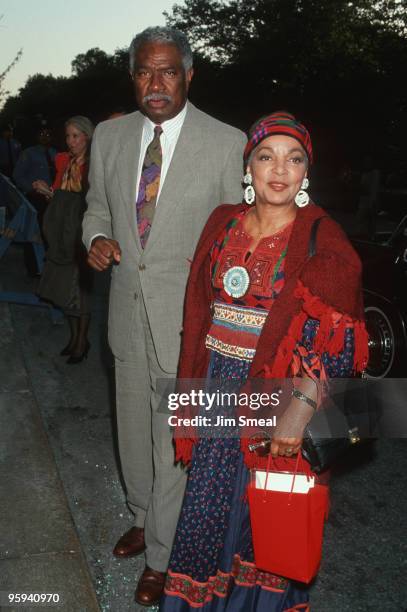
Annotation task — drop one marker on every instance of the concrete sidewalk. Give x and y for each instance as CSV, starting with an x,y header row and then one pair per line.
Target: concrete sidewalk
x,y
77,409
40,550
365,550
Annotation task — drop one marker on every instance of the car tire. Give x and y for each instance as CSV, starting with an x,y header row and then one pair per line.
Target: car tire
x,y
387,339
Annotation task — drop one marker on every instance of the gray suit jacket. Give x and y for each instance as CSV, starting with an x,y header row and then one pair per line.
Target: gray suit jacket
x,y
206,170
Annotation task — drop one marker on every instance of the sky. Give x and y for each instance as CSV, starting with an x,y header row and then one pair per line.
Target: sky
x,y
52,32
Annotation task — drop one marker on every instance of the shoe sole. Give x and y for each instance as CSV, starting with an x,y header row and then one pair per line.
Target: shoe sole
x,y
148,605
128,555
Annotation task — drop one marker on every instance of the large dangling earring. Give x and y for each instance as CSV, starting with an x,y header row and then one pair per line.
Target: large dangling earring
x,y
249,193
302,197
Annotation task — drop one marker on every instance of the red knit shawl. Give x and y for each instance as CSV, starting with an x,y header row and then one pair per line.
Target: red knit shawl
x,y
314,288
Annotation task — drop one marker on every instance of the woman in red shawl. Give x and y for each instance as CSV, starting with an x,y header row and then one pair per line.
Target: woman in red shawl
x,y
66,278
258,307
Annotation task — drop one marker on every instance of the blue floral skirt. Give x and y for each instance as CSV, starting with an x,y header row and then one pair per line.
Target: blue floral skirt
x,y
212,564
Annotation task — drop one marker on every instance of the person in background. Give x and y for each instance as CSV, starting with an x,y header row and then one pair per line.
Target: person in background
x,y
66,278
155,177
10,150
35,163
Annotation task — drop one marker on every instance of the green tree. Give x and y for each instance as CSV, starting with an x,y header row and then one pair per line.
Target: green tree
x,y
93,61
332,62
99,84
3,92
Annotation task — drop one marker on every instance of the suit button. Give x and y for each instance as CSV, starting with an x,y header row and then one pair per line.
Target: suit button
x,y
141,267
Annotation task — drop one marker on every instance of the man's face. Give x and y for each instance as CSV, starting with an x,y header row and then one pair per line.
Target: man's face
x,y
44,138
160,81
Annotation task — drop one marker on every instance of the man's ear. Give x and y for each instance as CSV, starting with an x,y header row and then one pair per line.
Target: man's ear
x,y
188,76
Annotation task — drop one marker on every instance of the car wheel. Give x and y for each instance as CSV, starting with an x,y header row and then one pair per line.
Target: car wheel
x,y
387,345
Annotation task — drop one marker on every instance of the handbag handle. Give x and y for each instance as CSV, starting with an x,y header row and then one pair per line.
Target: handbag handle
x,y
299,460
294,476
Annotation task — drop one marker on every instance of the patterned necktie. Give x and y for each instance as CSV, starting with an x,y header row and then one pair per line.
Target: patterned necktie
x,y
149,185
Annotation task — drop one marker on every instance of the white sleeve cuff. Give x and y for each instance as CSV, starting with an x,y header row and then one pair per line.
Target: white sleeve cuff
x,y
93,237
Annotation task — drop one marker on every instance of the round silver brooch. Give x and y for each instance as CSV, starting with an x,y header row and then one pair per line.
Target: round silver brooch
x,y
236,281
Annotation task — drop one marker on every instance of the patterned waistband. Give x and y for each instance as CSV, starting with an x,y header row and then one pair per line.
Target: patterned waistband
x,y
251,318
235,330
229,349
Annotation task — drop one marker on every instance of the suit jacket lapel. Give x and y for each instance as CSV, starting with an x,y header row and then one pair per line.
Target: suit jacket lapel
x,y
179,175
127,167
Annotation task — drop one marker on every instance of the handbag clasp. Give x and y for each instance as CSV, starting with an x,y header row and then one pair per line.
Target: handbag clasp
x,y
354,436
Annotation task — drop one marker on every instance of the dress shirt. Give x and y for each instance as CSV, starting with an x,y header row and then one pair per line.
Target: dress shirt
x,y
168,139
170,133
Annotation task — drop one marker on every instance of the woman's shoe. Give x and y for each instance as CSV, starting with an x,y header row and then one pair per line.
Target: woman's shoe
x,y
78,359
66,351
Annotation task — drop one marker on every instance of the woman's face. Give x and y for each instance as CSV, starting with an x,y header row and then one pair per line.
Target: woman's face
x,y
278,166
76,140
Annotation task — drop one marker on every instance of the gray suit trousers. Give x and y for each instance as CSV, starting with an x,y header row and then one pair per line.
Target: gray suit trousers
x,y
155,486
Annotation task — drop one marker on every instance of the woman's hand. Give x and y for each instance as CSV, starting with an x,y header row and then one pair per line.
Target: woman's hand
x,y
287,438
289,432
43,188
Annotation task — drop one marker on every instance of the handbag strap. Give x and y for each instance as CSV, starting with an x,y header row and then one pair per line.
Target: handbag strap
x,y
297,463
295,474
268,470
312,245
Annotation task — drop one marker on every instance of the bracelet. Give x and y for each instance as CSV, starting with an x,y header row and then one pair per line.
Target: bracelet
x,y
299,395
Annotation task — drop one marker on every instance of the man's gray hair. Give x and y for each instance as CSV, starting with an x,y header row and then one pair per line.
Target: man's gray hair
x,y
163,35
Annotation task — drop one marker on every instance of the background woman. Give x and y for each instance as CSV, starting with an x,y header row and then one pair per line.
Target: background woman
x,y
257,307
66,277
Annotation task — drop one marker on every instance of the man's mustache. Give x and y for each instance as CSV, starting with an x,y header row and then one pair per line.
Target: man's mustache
x,y
157,96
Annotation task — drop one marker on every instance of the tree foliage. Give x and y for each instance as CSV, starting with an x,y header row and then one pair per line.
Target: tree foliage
x,y
99,84
337,64
333,62
3,92
221,29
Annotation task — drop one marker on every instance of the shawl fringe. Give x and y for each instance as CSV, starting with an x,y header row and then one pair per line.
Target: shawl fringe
x,y
327,339
274,353
183,449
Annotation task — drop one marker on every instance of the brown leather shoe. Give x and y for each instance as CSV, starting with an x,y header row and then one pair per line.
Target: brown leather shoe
x,y
131,543
150,587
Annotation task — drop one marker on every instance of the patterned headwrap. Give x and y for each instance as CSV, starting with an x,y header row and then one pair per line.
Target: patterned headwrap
x,y
278,123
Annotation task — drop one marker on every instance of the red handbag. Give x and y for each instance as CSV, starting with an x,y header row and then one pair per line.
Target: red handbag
x,y
287,526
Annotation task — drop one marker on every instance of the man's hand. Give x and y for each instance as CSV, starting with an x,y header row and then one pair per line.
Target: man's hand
x,y
103,253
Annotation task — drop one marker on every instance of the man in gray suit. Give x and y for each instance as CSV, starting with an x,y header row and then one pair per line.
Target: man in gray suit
x,y
155,177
